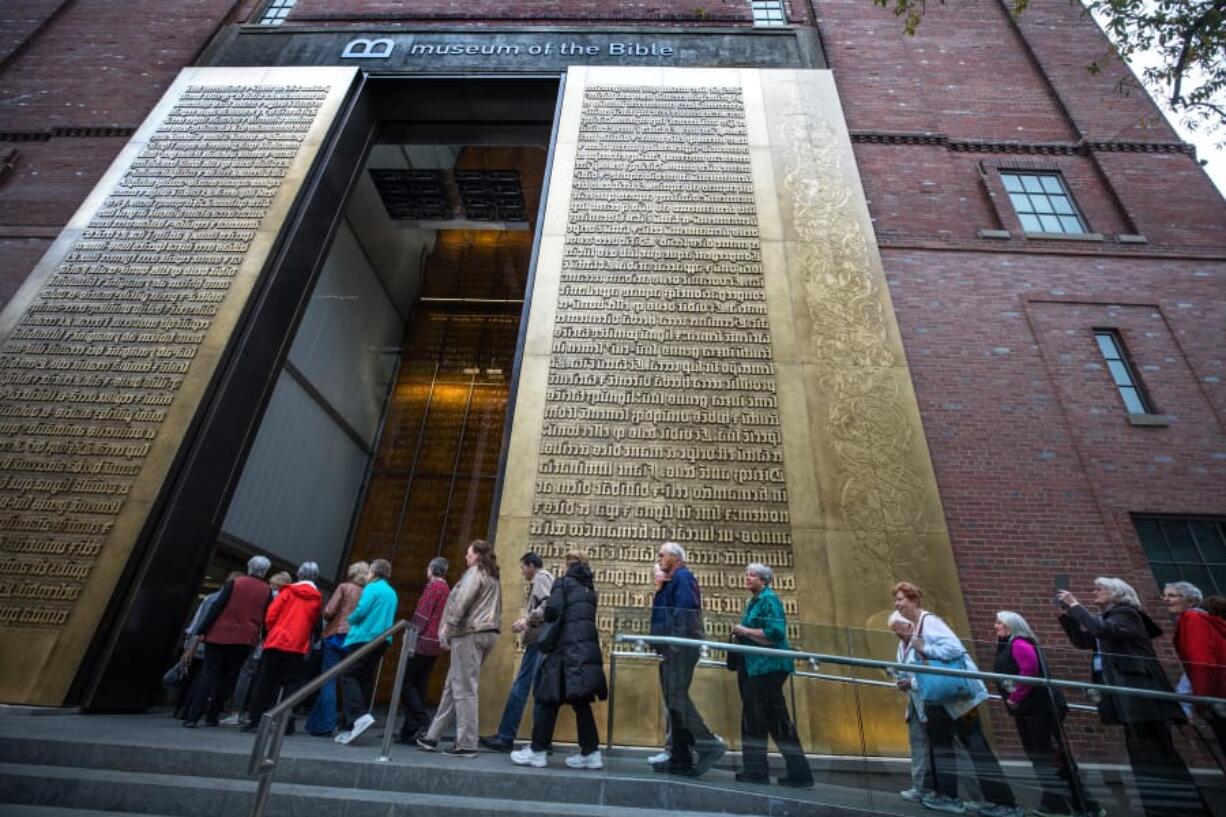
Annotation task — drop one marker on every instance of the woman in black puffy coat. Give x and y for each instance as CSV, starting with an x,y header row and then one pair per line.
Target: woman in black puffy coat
x,y
572,671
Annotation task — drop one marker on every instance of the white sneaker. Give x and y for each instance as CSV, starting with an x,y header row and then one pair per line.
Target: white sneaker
x,y
230,720
527,757
911,795
361,725
660,759
591,761
343,737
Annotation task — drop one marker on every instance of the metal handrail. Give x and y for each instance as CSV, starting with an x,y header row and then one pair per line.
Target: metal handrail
x,y
874,663
819,676
271,734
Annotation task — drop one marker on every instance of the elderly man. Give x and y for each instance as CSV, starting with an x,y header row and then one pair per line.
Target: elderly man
x,y
677,611
230,630
1200,641
539,584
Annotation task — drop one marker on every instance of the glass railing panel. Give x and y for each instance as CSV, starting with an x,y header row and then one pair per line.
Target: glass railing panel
x,y
850,722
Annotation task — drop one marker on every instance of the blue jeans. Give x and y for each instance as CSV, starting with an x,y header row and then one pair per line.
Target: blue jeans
x,y
517,698
323,715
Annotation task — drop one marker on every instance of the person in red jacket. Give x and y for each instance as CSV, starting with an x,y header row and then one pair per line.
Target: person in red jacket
x,y
1200,640
292,620
230,630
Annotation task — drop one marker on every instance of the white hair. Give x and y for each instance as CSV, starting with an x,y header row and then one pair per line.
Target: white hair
x,y
1118,590
1016,625
308,572
674,549
1188,591
762,571
258,566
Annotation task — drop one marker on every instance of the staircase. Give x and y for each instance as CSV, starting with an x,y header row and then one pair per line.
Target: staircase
x,y
68,765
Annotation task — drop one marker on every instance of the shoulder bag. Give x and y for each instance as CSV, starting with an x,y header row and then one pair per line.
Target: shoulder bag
x,y
939,689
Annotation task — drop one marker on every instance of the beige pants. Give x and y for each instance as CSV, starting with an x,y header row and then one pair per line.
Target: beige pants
x,y
459,702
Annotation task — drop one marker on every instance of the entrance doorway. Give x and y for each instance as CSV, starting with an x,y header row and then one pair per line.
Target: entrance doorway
x,y
384,433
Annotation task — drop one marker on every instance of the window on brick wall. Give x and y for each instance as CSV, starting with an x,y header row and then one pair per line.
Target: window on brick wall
x,y
1043,203
1122,371
768,13
276,11
1189,549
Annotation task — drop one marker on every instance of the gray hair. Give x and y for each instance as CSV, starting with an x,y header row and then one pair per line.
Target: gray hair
x,y
898,618
674,549
438,566
762,571
382,568
258,566
308,572
1189,591
1118,590
1016,625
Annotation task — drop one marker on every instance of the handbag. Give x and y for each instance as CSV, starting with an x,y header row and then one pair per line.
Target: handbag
x,y
939,689
734,661
176,676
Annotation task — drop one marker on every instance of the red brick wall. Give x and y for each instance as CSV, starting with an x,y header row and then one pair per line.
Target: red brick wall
x,y
92,64
673,12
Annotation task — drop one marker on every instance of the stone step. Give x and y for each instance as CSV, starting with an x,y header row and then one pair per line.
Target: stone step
x,y
107,790
627,782
21,810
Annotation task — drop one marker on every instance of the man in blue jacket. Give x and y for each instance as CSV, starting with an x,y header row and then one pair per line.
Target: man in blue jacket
x,y
677,611
375,613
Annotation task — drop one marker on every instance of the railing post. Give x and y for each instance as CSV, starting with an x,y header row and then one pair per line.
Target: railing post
x,y
612,691
270,737
390,726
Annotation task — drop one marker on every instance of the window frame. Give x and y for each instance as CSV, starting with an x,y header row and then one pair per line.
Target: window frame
x,y
1048,196
269,15
1129,368
774,13
1214,570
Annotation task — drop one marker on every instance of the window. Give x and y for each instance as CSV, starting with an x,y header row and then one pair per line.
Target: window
x,y
768,13
276,11
1042,203
1126,381
1185,549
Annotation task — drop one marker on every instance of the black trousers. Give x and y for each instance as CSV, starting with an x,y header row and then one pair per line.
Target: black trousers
x,y
765,712
689,731
1163,780
1059,780
357,684
279,671
943,730
545,716
221,665
413,694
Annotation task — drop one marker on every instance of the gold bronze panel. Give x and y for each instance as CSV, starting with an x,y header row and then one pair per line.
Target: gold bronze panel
x,y
108,348
713,358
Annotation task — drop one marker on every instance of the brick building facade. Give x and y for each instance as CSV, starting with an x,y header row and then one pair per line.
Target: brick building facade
x,y
1042,470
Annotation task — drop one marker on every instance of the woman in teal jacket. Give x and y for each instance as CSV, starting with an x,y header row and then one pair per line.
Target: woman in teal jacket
x,y
760,680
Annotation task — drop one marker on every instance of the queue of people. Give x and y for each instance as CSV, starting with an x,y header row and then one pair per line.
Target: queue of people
x,y
562,664
274,627
943,710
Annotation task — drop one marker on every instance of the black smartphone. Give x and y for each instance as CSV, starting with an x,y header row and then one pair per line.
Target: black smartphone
x,y
1061,584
